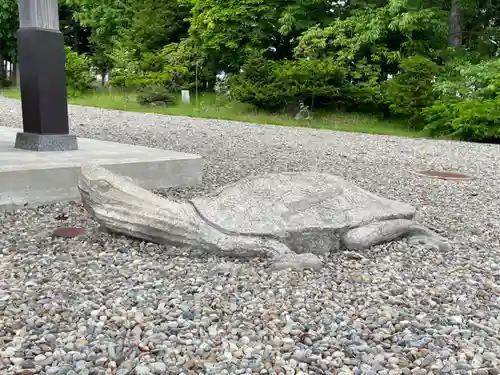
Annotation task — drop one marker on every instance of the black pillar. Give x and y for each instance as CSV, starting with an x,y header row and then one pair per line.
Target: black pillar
x,y
43,90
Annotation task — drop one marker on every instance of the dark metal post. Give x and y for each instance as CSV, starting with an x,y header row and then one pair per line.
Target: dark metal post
x,y
43,79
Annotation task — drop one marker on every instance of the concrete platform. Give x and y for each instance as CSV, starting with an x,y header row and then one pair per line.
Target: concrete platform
x,y
30,178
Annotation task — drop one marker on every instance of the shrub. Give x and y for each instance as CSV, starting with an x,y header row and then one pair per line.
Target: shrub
x,y
277,85
79,78
197,68
465,80
469,104
5,82
468,120
139,70
411,90
126,79
156,95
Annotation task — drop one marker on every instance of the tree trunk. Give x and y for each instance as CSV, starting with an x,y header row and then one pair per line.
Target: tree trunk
x,y
13,74
455,25
75,38
18,75
1,69
3,72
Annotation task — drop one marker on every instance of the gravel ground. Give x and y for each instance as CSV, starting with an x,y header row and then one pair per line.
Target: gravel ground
x,y
104,304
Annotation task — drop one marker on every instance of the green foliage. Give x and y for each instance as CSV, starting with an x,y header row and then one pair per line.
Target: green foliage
x,y
145,69
469,102
468,120
371,43
411,90
165,78
79,78
4,82
276,85
9,23
482,26
75,35
465,80
390,57
105,19
155,24
379,34
230,31
137,80
135,25
194,62
156,95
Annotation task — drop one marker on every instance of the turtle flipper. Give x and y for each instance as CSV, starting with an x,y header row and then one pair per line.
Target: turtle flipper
x,y
385,231
243,246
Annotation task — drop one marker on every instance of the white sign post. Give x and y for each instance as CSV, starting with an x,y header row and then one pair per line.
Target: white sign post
x,y
186,99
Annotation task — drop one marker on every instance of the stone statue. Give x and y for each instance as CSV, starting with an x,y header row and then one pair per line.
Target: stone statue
x,y
288,217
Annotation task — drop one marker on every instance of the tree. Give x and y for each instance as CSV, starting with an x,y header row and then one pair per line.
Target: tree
x,y
79,78
104,19
472,24
371,42
75,35
156,24
124,29
9,23
481,23
455,24
230,31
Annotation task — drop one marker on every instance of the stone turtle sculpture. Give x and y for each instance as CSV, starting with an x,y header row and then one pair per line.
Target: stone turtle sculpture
x,y
289,217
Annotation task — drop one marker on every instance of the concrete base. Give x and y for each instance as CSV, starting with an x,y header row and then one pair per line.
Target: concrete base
x,y
46,142
30,178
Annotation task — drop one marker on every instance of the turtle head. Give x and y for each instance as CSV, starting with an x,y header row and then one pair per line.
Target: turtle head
x,y
101,188
98,185
94,178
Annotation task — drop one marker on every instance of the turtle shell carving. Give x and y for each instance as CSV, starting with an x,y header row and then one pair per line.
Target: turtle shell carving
x,y
276,204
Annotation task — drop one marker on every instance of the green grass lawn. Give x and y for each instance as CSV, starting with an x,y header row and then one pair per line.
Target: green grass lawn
x,y
210,106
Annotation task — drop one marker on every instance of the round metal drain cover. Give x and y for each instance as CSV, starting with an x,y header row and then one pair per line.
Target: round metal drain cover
x,y
68,232
445,175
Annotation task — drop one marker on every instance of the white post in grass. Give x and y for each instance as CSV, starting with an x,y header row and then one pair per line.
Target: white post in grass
x,y
186,99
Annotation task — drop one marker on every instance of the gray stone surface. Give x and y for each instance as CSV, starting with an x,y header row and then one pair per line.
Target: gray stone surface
x,y
46,142
33,178
289,217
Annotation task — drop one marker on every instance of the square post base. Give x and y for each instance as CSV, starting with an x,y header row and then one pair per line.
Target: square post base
x,y
46,142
